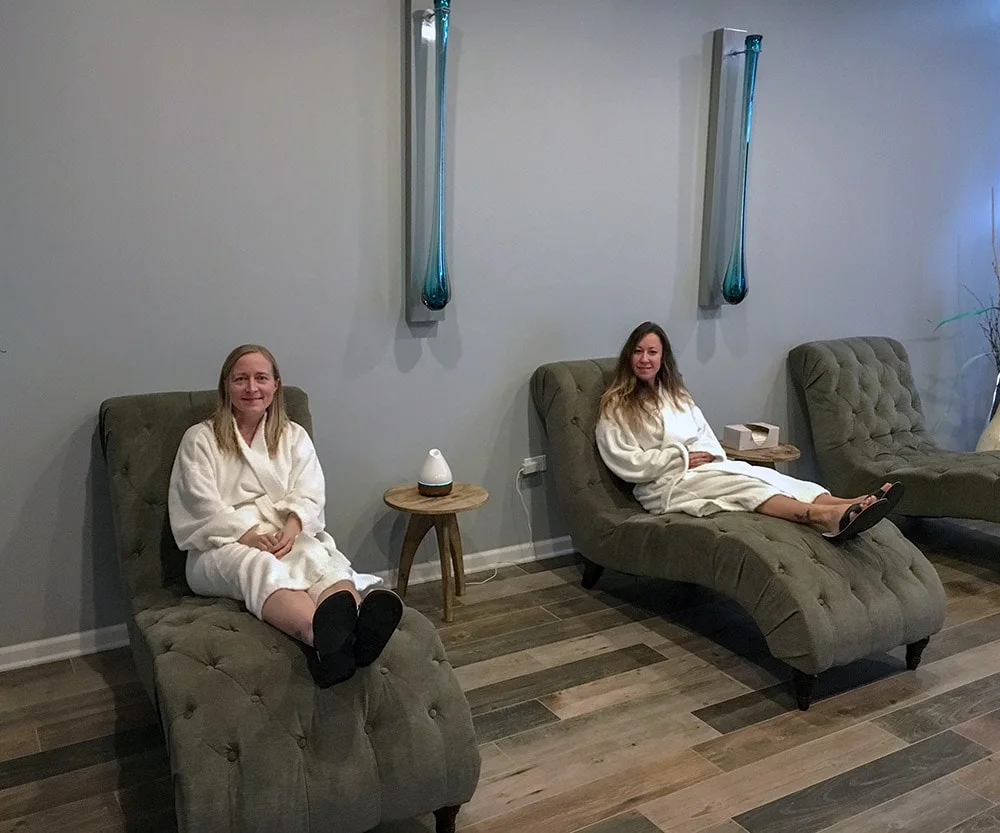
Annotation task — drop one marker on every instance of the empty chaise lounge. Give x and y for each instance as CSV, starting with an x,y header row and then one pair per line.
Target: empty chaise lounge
x,y
868,426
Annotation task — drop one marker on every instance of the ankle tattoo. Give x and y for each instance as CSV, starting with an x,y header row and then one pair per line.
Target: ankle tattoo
x,y
804,516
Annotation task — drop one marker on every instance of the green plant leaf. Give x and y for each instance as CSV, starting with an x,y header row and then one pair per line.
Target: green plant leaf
x,y
960,315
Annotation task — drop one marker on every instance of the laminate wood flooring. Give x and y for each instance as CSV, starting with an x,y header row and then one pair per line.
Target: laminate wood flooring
x,y
638,707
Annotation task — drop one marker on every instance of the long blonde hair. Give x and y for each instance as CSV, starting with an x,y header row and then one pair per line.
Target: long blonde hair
x,y
222,420
626,398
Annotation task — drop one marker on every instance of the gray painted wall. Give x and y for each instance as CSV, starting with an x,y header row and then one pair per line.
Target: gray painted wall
x,y
178,177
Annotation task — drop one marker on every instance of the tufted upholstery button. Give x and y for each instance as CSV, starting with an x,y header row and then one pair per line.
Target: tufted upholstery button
x,y
188,714
436,661
254,698
232,755
780,568
368,728
275,649
302,743
433,712
384,670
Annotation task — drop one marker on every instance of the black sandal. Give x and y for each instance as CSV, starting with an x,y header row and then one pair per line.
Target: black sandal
x,y
330,670
378,617
332,660
856,520
893,493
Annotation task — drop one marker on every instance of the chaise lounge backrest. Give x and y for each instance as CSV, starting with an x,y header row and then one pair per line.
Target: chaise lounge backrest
x,y
567,396
868,426
140,436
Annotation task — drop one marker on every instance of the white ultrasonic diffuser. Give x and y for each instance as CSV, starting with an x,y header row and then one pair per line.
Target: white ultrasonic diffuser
x,y
435,475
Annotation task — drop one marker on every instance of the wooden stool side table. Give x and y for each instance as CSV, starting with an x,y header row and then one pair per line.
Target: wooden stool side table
x,y
440,513
768,457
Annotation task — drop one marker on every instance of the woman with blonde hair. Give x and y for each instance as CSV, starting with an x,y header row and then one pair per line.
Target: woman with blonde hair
x,y
651,433
246,503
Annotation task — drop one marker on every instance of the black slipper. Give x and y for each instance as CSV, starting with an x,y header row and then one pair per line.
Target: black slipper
x,y
378,616
856,520
893,493
332,669
333,624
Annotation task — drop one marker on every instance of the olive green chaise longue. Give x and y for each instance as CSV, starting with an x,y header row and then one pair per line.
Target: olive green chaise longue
x,y
817,604
254,744
868,425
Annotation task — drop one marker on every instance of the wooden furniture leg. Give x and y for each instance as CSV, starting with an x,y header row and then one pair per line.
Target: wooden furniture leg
x,y
803,689
441,528
591,574
416,528
444,819
914,651
457,556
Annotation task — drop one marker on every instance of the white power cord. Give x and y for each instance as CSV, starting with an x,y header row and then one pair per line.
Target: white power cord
x,y
527,517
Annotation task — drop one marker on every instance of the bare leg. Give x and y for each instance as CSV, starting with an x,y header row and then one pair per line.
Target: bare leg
x,y
864,500
346,584
822,516
291,612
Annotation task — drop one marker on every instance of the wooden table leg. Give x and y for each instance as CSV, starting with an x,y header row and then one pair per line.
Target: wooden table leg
x,y
444,549
457,557
416,528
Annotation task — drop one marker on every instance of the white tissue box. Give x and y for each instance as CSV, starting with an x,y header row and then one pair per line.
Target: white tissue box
x,y
750,435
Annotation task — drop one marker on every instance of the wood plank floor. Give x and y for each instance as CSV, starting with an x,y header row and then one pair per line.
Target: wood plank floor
x,y
639,707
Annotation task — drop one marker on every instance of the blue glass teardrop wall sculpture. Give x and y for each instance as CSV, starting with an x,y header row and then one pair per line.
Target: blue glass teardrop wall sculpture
x,y
734,281
436,290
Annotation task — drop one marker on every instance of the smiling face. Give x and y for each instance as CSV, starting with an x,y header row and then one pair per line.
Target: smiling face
x,y
647,358
252,385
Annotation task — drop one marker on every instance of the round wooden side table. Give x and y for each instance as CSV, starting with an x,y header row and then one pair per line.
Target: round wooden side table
x,y
440,513
784,453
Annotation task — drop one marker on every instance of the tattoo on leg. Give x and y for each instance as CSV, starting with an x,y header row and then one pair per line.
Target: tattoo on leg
x,y
804,516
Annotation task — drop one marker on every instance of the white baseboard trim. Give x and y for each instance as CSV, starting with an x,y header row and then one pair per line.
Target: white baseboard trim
x,y
63,647
116,636
488,559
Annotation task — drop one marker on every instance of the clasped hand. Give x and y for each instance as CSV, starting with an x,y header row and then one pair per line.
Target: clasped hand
x,y
279,543
699,458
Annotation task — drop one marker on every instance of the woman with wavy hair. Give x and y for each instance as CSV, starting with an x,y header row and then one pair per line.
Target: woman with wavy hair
x,y
651,433
246,503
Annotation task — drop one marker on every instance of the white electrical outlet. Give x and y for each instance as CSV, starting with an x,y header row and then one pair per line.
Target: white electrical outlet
x,y
533,465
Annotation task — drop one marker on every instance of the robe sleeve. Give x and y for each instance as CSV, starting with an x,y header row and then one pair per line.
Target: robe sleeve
x,y
199,518
707,441
306,495
623,454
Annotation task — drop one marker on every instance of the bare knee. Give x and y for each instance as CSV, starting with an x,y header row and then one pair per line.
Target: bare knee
x,y
337,587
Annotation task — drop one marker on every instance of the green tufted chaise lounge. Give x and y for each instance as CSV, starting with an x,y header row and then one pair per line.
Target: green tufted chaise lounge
x,y
868,426
254,745
817,604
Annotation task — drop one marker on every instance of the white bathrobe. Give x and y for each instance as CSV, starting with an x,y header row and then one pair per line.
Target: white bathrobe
x,y
656,460
214,498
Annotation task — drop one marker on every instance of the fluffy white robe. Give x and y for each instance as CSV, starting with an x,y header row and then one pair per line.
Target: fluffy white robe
x,y
656,460
214,498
